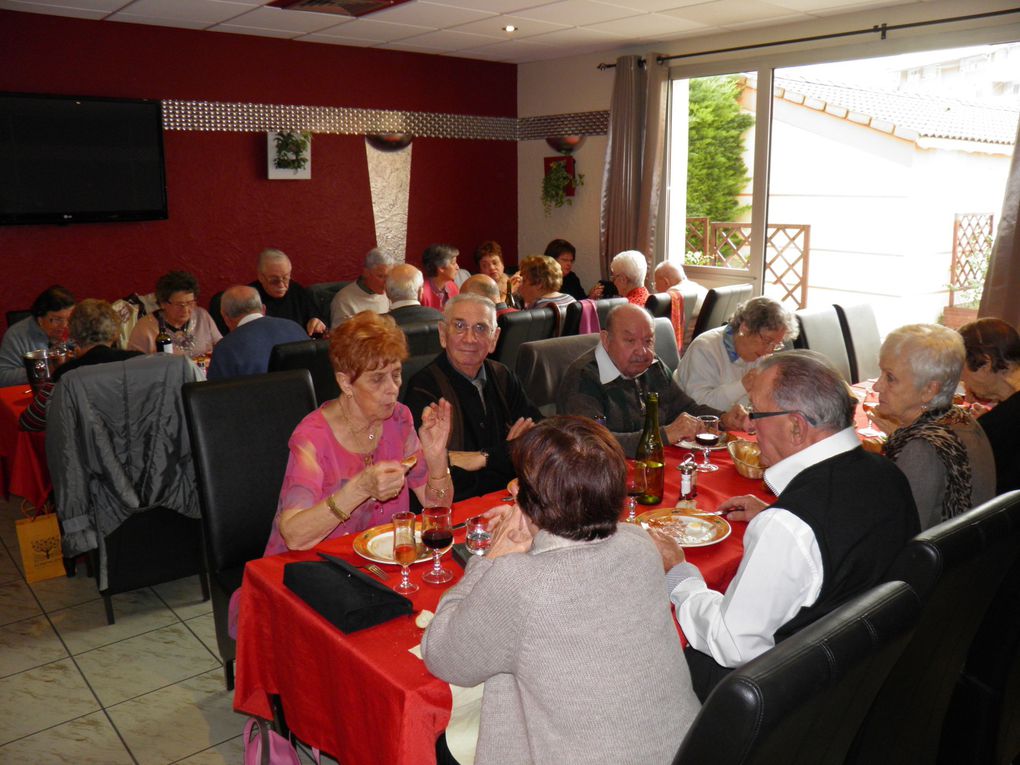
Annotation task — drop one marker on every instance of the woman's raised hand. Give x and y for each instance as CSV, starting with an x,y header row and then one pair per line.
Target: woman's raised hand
x,y
382,481
435,430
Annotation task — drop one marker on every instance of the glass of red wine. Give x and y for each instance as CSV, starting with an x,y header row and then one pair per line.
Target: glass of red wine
x,y
437,534
707,437
635,487
405,549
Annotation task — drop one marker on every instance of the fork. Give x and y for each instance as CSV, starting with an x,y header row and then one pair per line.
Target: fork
x,y
377,571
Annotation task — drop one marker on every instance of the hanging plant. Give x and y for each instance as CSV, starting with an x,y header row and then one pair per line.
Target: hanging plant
x,y
291,150
558,186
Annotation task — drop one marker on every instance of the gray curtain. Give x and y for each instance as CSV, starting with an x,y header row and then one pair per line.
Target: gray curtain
x,y
1001,296
632,181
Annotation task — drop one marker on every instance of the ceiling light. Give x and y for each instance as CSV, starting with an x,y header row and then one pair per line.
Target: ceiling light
x,y
509,28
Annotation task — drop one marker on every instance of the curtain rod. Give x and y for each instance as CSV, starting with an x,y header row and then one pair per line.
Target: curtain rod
x,y
881,29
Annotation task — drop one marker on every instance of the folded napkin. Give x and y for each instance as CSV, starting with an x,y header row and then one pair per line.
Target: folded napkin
x,y
346,597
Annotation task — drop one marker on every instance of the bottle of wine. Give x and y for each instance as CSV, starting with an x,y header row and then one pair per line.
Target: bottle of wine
x,y
649,451
164,341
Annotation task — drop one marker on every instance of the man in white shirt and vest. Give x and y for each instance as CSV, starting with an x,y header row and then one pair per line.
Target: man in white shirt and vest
x,y
840,518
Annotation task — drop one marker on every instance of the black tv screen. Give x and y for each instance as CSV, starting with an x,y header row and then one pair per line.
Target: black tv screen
x,y
74,159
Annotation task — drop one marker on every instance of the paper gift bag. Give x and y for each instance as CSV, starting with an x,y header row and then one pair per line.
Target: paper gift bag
x,y
39,540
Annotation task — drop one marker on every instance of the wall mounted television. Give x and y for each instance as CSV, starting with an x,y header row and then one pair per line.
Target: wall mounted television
x,y
76,159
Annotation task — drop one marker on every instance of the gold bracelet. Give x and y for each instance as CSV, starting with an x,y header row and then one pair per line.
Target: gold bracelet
x,y
438,492
331,504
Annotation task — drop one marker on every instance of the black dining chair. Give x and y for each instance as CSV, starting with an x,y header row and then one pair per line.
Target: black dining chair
x,y
422,338
719,305
521,327
239,431
801,702
956,568
541,365
312,355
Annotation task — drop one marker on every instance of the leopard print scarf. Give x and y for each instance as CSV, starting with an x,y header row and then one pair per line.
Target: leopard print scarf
x,y
935,428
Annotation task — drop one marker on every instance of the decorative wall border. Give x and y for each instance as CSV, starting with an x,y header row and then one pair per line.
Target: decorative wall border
x,y
258,118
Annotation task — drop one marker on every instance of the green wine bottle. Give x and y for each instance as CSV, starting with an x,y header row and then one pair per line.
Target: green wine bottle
x,y
649,452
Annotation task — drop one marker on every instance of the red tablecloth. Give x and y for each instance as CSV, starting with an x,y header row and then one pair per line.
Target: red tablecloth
x,y
363,697
23,468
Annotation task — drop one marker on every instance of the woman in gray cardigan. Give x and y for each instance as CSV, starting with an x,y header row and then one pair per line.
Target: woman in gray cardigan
x,y
564,618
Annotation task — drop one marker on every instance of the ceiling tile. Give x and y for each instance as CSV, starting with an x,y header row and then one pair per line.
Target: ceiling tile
x,y
371,30
432,15
655,26
494,6
647,6
725,12
238,30
493,27
578,36
447,39
54,10
193,13
574,13
280,20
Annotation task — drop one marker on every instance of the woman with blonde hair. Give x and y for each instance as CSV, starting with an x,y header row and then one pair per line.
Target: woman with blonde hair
x,y
541,279
939,447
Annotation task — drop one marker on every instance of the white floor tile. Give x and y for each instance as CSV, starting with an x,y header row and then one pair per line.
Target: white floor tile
x,y
84,627
88,740
184,596
65,592
17,602
28,643
42,697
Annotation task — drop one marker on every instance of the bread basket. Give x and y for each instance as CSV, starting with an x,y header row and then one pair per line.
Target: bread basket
x,y
746,456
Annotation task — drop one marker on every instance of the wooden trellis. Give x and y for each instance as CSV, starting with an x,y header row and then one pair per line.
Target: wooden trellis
x,y
787,251
972,247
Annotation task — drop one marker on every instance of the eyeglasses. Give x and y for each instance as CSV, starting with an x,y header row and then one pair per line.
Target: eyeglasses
x,y
762,415
461,327
773,345
183,304
56,320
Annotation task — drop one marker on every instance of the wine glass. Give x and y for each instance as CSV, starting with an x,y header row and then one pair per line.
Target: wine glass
x,y
869,430
707,437
405,551
635,487
436,533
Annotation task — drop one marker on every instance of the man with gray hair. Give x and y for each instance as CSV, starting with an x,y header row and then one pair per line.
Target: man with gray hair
x,y
489,405
283,297
403,289
246,350
486,287
367,293
671,277
840,518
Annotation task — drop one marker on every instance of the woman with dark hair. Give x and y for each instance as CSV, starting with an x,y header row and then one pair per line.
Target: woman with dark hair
x,y
439,262
193,330
564,253
992,373
564,619
47,326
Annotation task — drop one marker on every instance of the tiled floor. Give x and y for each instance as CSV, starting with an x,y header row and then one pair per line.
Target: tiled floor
x,y
147,690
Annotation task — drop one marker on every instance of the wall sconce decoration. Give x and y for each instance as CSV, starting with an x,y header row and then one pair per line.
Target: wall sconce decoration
x,y
565,144
289,155
559,183
389,141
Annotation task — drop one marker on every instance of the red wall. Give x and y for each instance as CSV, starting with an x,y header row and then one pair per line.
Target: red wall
x,y
223,211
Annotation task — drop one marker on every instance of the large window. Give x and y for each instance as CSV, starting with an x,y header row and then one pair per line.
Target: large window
x,y
877,180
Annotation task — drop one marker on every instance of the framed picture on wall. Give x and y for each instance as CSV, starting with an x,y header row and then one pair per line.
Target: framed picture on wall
x,y
289,155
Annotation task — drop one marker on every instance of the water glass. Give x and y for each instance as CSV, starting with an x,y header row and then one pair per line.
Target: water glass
x,y
478,535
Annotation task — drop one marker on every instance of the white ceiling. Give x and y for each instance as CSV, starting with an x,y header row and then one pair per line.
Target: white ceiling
x,y
468,28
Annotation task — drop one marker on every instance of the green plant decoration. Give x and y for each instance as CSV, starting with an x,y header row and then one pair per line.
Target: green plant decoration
x,y
555,184
291,150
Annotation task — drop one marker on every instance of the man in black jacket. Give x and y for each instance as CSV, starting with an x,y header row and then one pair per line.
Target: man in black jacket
x,y
490,407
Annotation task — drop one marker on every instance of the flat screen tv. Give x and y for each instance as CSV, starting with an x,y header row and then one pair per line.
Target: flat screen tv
x,y
74,159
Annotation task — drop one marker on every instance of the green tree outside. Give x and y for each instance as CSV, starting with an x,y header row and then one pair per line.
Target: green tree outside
x,y
716,172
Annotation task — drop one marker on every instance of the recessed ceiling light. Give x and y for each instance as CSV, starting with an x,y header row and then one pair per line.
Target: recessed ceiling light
x,y
509,28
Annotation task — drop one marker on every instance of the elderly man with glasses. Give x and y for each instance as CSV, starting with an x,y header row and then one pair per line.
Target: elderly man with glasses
x,y
489,405
283,297
840,518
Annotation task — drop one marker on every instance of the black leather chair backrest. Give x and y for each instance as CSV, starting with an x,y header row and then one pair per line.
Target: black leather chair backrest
x,y
322,295
604,306
820,331
801,702
665,344
719,305
522,327
422,338
541,365
239,430
411,366
659,305
217,316
312,355
956,568
860,334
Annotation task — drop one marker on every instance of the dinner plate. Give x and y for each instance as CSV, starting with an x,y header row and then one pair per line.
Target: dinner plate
x,y
376,544
691,444
687,529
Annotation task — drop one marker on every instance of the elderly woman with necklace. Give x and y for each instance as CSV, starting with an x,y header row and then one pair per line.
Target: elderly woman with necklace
x,y
939,447
354,459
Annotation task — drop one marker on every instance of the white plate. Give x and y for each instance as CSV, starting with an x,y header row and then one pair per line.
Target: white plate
x,y
723,440
376,544
687,530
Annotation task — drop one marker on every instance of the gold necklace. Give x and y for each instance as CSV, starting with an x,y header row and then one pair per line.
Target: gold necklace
x,y
358,433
